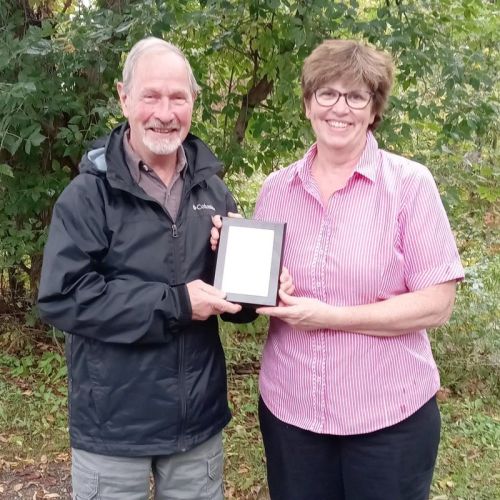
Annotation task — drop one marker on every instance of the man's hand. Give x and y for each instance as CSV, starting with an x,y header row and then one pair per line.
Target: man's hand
x,y
207,300
215,231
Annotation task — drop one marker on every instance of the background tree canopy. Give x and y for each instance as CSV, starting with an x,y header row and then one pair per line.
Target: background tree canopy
x,y
59,61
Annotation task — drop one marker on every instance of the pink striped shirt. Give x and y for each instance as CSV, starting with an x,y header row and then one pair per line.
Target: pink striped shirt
x,y
385,233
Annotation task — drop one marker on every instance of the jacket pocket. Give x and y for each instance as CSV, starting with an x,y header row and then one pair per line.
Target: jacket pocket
x,y
98,393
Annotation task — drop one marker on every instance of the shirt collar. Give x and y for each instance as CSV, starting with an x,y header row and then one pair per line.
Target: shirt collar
x,y
135,163
366,165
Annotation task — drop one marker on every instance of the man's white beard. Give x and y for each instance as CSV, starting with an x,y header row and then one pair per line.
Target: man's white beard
x,y
161,146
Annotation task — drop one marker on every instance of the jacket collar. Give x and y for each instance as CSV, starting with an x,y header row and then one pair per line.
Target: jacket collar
x,y
108,158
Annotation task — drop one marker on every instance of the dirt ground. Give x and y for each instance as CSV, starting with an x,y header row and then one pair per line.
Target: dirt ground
x,y
29,481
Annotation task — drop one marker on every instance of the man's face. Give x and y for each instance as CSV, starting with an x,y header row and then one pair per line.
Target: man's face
x,y
158,105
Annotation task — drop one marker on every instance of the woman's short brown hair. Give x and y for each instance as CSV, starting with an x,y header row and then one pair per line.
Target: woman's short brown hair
x,y
351,62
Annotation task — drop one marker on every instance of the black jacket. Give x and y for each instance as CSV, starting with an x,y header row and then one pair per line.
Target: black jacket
x,y
144,379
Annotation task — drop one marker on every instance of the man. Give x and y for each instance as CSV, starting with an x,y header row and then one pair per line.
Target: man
x,y
125,273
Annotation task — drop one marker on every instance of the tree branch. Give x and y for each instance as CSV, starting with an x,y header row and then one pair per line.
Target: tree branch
x,y
255,96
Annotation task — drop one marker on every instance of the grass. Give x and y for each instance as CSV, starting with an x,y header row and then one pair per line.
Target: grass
x,y
33,416
469,460
33,423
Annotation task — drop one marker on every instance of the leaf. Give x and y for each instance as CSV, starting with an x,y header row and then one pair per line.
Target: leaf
x,y
36,138
6,170
12,144
42,48
124,27
27,86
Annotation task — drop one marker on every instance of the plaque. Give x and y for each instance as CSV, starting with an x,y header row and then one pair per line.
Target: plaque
x,y
249,261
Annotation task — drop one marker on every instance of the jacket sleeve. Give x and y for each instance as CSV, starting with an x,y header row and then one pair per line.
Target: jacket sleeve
x,y
247,314
76,298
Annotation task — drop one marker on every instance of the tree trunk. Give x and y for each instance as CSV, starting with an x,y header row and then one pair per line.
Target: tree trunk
x,y
257,94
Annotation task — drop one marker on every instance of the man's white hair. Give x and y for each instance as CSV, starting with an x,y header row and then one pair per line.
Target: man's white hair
x,y
152,45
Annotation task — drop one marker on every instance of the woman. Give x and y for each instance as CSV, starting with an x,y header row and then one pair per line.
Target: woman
x,y
348,380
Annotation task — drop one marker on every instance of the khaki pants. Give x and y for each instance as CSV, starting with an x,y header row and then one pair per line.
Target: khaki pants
x,y
193,475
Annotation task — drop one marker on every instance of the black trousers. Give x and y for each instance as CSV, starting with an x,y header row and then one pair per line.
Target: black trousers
x,y
395,463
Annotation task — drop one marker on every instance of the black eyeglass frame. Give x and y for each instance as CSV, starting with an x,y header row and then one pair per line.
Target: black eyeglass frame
x,y
344,95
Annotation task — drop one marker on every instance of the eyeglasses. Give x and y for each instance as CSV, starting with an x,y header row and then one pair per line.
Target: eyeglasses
x,y
355,99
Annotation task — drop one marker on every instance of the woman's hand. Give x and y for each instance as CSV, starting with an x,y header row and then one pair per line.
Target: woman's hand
x,y
300,312
398,315
215,231
286,283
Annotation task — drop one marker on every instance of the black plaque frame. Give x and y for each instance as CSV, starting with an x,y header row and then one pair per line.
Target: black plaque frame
x,y
249,262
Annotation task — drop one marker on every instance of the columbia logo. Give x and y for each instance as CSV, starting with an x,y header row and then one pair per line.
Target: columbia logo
x,y
203,206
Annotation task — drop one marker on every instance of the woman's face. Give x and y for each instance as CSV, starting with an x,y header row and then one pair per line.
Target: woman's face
x,y
339,128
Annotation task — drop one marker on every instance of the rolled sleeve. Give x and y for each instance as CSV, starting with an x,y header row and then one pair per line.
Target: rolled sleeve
x,y
428,244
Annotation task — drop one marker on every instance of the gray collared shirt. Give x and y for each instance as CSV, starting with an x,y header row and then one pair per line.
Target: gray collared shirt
x,y
169,197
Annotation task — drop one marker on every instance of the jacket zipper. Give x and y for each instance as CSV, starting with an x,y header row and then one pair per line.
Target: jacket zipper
x,y
182,375
182,390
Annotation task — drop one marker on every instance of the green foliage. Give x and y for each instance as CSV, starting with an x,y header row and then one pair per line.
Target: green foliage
x,y
53,99
467,349
58,69
467,465
33,410
57,93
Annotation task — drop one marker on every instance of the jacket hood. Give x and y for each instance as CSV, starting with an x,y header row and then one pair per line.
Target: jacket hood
x,y
106,158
